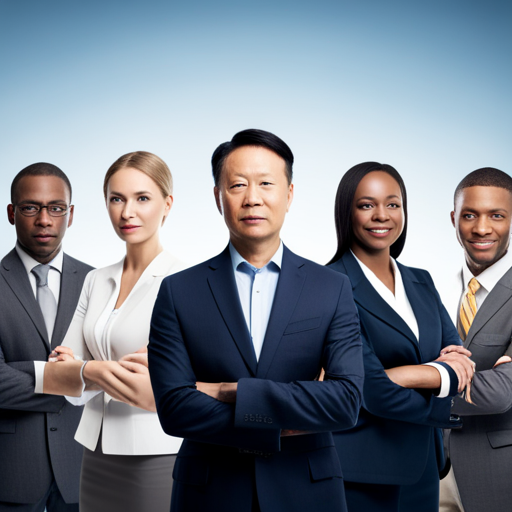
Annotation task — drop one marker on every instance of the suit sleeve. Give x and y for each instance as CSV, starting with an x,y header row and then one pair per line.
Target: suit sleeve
x,y
183,411
17,383
384,398
311,405
74,338
491,393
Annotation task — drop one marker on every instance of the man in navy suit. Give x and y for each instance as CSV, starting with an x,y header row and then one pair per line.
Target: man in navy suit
x,y
236,347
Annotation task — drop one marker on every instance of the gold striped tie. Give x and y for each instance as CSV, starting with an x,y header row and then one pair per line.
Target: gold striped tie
x,y
468,308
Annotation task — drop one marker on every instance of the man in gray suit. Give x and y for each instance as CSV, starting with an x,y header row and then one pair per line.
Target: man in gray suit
x,y
481,452
39,289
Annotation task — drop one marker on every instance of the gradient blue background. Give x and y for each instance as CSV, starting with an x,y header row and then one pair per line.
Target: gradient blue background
x,y
424,86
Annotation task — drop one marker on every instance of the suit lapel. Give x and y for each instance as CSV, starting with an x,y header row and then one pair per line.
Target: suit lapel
x,y
69,292
369,299
222,283
498,297
16,277
289,287
421,301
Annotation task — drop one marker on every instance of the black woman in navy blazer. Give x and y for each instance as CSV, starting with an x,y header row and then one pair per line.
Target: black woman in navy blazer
x,y
391,458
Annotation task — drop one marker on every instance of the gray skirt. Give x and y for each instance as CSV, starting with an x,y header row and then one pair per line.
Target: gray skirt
x,y
125,483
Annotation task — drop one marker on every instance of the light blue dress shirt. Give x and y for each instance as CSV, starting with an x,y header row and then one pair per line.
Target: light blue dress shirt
x,y
256,289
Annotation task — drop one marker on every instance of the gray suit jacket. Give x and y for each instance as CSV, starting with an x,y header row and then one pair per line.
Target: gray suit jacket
x,y
36,431
481,452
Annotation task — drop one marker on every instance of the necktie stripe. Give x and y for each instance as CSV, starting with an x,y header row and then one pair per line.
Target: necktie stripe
x,y
468,308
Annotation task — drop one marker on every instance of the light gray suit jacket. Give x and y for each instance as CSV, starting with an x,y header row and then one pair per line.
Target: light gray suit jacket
x,y
36,431
481,452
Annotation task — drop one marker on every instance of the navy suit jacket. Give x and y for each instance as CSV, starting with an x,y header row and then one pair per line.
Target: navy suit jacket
x,y
391,440
198,333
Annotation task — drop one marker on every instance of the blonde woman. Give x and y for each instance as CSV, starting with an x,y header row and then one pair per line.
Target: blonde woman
x,y
128,459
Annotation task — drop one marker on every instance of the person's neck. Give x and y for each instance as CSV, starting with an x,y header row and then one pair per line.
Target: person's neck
x,y
257,254
477,269
379,262
139,256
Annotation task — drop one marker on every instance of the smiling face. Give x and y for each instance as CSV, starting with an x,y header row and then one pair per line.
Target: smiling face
x,y
482,219
41,236
254,196
136,206
377,214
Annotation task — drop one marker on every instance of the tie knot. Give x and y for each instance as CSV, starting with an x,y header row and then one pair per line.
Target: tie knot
x,y
473,285
41,273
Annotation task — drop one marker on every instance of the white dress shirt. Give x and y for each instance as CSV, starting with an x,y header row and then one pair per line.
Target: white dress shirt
x,y
400,303
256,289
54,274
54,278
488,278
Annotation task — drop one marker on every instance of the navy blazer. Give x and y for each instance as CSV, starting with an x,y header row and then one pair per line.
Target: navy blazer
x,y
391,440
198,333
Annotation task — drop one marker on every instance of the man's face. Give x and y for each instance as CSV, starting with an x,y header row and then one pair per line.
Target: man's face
x,y
253,196
482,219
41,236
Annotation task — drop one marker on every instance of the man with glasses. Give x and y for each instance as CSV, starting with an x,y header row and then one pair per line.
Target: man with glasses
x,y
39,290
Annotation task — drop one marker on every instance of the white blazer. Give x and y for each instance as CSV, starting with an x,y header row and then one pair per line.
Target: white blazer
x,y
127,430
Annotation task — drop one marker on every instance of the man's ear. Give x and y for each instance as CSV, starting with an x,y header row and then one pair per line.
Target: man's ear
x,y
216,193
452,215
10,213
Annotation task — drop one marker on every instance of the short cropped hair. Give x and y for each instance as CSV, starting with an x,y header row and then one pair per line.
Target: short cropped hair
x,y
345,199
147,163
252,137
38,169
484,177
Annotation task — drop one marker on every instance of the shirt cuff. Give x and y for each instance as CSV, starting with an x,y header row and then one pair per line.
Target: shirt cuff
x,y
39,376
445,379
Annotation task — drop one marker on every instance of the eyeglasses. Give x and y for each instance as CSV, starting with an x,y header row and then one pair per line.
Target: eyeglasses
x,y
54,210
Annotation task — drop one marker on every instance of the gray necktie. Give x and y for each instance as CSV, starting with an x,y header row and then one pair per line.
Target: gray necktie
x,y
45,297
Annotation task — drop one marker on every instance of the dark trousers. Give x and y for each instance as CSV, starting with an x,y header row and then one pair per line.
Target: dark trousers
x,y
52,501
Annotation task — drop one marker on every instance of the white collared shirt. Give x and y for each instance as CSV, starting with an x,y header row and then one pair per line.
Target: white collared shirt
x,y
256,289
54,279
400,303
488,278
54,275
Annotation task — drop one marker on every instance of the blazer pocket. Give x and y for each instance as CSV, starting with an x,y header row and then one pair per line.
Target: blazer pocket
x,y
7,426
491,340
303,325
191,471
324,464
500,438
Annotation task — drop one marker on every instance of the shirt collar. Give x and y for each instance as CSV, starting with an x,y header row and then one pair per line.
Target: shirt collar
x,y
370,275
237,259
29,263
491,275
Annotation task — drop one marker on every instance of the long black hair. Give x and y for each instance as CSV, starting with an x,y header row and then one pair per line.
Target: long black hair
x,y
345,199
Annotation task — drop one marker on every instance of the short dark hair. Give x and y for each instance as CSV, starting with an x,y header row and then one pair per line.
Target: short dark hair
x,y
344,201
252,137
484,177
39,169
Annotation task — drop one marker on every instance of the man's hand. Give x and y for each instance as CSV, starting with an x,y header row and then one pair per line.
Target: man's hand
x,y
455,348
459,361
502,360
61,353
222,391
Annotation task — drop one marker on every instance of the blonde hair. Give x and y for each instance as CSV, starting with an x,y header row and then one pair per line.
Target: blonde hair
x,y
148,163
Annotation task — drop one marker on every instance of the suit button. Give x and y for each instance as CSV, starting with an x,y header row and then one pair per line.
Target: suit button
x,y
53,429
